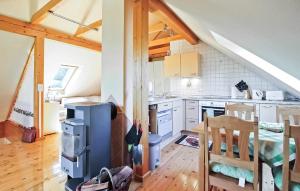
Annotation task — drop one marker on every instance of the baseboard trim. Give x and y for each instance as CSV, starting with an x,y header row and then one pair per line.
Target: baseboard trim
x,y
13,131
142,178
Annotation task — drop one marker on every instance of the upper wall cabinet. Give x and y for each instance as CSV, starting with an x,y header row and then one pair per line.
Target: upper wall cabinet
x,y
172,66
190,64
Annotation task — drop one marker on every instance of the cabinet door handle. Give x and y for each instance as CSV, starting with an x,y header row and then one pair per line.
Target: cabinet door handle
x,y
174,109
267,106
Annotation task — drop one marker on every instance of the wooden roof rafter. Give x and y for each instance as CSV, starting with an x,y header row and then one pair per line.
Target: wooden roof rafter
x,y
165,14
24,28
95,25
166,40
44,11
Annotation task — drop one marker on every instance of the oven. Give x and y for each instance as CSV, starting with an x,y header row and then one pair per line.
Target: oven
x,y
212,108
164,123
161,119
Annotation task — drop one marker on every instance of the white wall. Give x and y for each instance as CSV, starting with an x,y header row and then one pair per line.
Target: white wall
x,y
86,80
268,29
218,74
14,51
25,98
113,54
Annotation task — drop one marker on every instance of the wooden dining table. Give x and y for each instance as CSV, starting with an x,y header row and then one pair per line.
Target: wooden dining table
x,y
270,150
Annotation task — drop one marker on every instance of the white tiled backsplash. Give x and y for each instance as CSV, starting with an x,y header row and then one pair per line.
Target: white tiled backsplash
x,y
218,73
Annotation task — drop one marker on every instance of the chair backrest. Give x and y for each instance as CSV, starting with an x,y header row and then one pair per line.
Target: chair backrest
x,y
240,110
229,124
291,117
290,113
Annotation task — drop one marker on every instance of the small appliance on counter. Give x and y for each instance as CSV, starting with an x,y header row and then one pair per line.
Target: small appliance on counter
x,y
257,94
86,141
241,87
275,95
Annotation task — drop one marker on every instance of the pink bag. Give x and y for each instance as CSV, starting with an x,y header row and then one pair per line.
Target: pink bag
x,y
29,135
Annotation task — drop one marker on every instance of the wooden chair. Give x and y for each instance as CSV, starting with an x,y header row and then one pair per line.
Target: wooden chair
x,y
230,124
240,110
291,117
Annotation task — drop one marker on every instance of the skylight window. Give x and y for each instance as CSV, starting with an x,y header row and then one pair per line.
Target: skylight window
x,y
258,62
62,77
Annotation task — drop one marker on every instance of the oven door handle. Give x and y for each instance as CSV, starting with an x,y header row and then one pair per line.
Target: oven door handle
x,y
215,109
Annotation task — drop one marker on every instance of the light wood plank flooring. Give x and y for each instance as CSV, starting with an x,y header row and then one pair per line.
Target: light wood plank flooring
x,y
178,170
37,167
33,166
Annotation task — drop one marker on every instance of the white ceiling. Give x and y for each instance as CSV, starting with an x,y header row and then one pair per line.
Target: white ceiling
x,y
270,29
83,11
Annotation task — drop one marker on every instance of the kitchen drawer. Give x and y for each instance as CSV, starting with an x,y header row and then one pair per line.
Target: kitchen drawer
x,y
194,103
71,168
191,123
164,106
192,112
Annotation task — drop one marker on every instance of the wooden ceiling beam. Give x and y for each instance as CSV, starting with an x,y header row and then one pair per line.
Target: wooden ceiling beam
x,y
160,55
24,28
159,50
164,40
174,21
95,25
43,12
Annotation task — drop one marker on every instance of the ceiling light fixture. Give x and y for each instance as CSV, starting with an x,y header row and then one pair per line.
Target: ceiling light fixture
x,y
71,20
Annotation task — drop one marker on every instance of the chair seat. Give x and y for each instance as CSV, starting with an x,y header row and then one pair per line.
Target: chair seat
x,y
231,171
277,174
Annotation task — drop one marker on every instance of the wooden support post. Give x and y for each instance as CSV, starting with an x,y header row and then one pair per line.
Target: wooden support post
x,y
140,94
39,86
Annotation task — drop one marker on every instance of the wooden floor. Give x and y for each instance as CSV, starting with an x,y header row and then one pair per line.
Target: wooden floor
x,y
37,167
178,171
33,166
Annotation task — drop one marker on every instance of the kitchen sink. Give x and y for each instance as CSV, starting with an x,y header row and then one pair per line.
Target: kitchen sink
x,y
171,97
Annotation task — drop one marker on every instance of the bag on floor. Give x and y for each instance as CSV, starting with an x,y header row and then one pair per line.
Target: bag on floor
x,y
29,135
116,179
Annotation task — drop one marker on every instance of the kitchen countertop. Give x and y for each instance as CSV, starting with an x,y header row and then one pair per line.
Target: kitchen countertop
x,y
153,101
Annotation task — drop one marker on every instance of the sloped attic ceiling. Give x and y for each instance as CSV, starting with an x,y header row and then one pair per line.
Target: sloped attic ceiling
x,y
269,29
83,11
14,51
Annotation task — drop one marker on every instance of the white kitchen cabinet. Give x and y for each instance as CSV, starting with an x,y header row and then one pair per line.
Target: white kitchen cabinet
x,y
267,113
191,114
190,64
172,66
178,117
